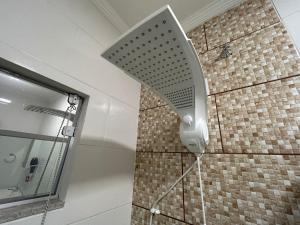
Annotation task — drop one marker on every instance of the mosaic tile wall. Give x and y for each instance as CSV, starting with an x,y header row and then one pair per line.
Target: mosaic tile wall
x,y
251,169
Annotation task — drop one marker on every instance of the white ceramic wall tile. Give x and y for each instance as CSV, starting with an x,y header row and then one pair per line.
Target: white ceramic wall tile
x,y
289,11
122,124
57,41
292,24
85,58
87,16
44,37
26,60
95,120
32,220
102,178
35,28
118,216
287,7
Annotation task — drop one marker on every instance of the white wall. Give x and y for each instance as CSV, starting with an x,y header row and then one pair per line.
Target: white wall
x,y
63,40
289,11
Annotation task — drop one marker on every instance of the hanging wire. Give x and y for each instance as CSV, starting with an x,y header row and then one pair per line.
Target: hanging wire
x,y
54,172
201,188
154,211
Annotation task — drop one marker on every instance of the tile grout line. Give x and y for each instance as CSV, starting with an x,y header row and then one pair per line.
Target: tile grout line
x,y
97,214
225,153
158,106
234,89
205,38
253,85
161,152
243,36
182,183
142,207
221,138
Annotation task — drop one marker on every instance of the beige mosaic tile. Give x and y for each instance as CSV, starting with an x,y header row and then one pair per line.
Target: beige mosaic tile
x,y
214,145
249,17
197,36
158,130
149,99
140,216
262,119
244,189
154,174
263,56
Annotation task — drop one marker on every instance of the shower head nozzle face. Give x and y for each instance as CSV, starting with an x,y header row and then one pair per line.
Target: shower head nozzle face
x,y
157,53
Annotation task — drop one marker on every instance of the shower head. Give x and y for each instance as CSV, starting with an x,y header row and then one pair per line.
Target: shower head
x,y
157,53
49,111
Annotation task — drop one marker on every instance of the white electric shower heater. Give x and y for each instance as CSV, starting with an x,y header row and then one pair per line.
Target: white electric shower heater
x,y
157,53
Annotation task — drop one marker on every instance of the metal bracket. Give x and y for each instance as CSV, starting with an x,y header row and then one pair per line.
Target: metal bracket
x,y
73,99
68,131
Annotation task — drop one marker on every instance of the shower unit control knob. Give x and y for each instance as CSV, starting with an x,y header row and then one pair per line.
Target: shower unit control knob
x,y
187,119
195,136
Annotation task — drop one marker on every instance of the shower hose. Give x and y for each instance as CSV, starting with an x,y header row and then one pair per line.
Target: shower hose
x,y
154,211
54,172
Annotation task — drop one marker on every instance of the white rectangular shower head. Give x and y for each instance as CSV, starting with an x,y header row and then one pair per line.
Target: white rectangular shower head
x,y
157,53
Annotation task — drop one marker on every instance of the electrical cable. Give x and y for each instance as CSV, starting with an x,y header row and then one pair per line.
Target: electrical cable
x,y
153,210
201,189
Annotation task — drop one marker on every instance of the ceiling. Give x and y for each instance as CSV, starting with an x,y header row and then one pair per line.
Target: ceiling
x,y
132,11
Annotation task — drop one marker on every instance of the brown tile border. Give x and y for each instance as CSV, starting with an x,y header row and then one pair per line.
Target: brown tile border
x,y
264,56
225,153
243,36
154,174
205,39
262,118
253,85
182,221
159,106
182,186
246,17
219,123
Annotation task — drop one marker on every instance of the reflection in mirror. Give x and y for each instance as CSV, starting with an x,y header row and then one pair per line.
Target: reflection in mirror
x,y
31,141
